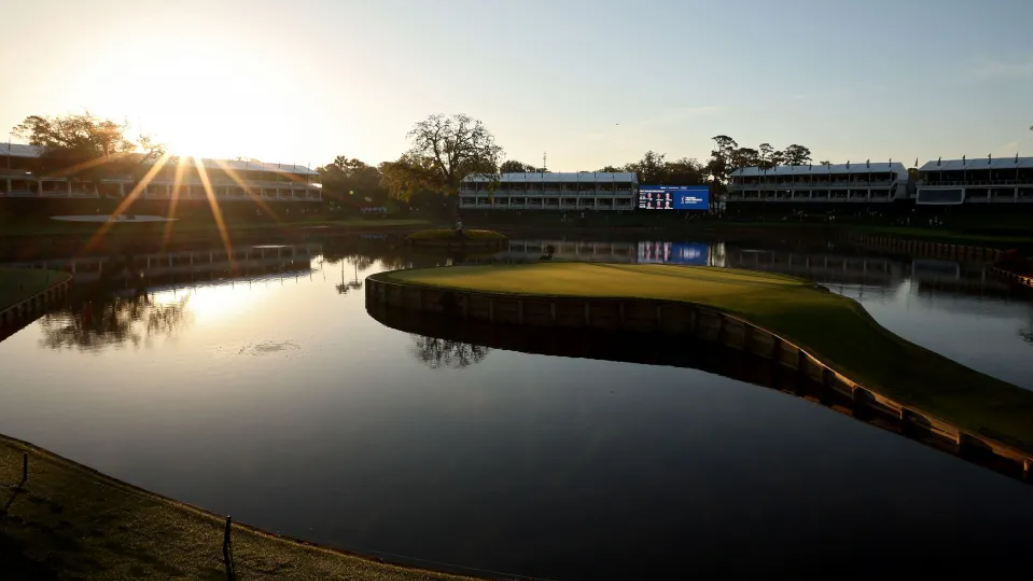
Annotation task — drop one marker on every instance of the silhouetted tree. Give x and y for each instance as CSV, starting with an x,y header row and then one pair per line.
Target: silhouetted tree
x,y
86,147
444,151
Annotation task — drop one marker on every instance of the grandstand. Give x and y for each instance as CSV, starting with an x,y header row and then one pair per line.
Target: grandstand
x,y
1007,180
860,183
550,191
230,180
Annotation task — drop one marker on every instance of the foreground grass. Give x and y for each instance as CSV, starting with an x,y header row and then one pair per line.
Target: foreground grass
x,y
18,284
70,522
834,328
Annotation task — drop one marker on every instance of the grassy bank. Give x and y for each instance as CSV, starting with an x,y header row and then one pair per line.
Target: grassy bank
x,y
70,522
17,284
834,328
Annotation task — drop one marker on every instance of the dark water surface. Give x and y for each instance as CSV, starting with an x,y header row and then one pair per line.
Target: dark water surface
x,y
276,398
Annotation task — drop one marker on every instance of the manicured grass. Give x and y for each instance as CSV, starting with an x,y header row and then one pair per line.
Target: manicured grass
x,y
835,329
70,522
18,284
446,235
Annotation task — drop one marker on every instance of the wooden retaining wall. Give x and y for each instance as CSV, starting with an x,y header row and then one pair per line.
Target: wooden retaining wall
x,y
646,315
30,307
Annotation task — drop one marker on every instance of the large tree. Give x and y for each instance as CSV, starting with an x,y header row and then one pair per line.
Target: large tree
x,y
86,147
444,151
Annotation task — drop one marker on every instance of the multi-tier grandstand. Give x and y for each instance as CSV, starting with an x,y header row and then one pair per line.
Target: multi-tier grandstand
x,y
179,178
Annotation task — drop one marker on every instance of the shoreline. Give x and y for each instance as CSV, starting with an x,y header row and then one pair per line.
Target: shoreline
x,y
151,531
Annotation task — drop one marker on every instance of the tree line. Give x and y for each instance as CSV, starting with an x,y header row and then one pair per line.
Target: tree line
x,y
442,151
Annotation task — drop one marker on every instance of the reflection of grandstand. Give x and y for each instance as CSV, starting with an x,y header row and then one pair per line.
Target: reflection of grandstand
x,y
624,252
957,278
182,265
825,268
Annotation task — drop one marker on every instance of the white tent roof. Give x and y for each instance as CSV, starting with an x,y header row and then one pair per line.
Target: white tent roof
x,y
538,178
23,150
980,163
836,168
237,165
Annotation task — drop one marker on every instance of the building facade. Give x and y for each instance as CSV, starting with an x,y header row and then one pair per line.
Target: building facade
x,y
550,191
864,183
182,178
1006,180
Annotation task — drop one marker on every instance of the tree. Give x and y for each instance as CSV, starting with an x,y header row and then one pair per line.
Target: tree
x,y
447,149
353,181
513,166
745,157
765,156
407,176
824,162
685,171
86,147
610,169
797,154
720,165
651,169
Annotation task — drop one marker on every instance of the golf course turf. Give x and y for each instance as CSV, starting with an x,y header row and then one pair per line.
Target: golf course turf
x,y
835,329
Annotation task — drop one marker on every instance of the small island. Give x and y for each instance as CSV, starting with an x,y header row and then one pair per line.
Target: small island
x,y
448,238
802,325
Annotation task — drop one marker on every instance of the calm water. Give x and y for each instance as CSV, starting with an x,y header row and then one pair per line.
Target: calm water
x,y
276,398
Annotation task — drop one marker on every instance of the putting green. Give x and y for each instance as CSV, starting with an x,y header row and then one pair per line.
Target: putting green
x,y
835,329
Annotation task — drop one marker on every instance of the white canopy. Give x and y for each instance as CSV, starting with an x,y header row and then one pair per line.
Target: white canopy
x,y
836,168
24,150
537,178
980,163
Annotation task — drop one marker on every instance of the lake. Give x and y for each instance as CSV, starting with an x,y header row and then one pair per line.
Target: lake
x,y
275,397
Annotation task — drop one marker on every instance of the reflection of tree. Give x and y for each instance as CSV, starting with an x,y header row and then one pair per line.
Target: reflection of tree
x,y
112,321
436,353
1027,334
356,284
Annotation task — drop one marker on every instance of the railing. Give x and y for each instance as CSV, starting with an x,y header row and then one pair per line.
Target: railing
x,y
809,185
928,183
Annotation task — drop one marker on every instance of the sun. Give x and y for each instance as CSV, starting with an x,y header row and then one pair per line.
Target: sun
x,y
199,99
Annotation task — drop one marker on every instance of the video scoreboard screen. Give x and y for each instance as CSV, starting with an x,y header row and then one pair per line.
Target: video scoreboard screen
x,y
674,198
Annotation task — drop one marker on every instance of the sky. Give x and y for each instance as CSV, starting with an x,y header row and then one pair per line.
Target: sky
x,y
589,82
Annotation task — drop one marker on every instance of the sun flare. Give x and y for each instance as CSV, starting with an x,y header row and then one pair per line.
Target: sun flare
x,y
199,99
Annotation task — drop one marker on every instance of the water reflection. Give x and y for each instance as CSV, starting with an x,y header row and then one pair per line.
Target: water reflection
x,y
437,353
112,321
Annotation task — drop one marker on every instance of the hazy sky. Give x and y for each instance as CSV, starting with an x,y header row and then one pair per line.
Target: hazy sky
x,y
305,80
